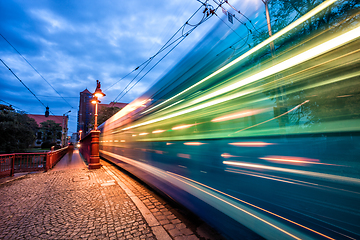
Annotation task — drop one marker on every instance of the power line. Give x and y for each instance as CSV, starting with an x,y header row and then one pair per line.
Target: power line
x,y
24,84
208,12
226,1
11,105
35,70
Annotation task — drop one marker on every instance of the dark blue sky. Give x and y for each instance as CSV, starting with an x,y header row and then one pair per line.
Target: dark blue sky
x,y
73,43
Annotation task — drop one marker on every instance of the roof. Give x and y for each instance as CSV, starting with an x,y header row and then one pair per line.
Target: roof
x,y
86,91
41,118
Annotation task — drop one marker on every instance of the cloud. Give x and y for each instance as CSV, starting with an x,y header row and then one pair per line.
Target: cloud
x,y
73,43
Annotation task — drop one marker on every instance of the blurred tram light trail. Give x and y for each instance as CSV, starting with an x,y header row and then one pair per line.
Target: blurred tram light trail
x,y
329,177
238,115
251,144
182,126
194,143
226,155
158,131
293,109
295,160
182,155
247,203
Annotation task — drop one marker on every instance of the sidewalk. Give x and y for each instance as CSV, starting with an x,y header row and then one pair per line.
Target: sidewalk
x,y
72,202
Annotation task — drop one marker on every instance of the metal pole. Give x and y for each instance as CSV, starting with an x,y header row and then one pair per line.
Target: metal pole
x,y
269,25
96,115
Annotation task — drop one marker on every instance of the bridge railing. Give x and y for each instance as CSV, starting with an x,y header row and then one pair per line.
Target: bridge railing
x,y
27,162
85,147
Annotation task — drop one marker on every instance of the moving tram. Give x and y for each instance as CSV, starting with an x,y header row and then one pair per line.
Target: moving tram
x,y
260,143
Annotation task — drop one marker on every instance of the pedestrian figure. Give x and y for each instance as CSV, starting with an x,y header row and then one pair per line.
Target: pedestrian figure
x,y
70,152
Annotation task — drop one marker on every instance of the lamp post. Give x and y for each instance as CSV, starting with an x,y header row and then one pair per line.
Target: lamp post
x,y
63,137
96,95
95,134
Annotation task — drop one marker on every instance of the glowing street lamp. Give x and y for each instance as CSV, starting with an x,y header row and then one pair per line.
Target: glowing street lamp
x,y
80,132
97,94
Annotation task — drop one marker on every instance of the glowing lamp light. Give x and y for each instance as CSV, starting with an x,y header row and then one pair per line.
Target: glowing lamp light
x,y
142,134
182,126
95,101
98,93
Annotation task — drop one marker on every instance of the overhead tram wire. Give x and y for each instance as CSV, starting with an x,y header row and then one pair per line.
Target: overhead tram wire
x,y
36,70
167,44
24,84
152,57
11,105
186,34
238,11
152,68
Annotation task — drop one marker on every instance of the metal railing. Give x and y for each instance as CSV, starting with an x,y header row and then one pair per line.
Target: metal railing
x,y
85,147
28,162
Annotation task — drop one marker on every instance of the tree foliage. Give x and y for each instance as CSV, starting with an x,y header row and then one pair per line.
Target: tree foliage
x,y
50,131
17,130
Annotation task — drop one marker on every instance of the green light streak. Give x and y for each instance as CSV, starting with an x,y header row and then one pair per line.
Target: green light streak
x,y
299,21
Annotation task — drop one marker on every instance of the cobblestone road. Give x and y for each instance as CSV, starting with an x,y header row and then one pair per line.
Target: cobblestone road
x,y
79,203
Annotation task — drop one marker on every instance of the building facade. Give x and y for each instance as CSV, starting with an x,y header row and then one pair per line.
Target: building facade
x,y
61,135
86,110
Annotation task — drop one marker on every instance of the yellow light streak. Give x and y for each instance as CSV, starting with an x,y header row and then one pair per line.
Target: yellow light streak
x,y
237,115
300,58
299,21
182,127
158,131
142,134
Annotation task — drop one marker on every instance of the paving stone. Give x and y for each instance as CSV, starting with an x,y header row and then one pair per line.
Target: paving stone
x,y
52,205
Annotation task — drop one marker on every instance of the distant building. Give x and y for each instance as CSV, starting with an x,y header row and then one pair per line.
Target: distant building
x,y
62,120
86,110
74,138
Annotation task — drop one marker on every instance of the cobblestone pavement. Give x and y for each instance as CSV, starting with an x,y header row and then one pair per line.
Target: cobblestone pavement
x,y
88,204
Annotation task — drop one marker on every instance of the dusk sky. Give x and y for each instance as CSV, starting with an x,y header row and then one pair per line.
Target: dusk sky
x,y
74,43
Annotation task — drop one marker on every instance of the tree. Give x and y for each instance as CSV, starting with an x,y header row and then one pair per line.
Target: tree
x,y
50,131
17,130
104,114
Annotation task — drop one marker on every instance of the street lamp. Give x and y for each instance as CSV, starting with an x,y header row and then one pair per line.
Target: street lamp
x,y
80,132
95,134
97,94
